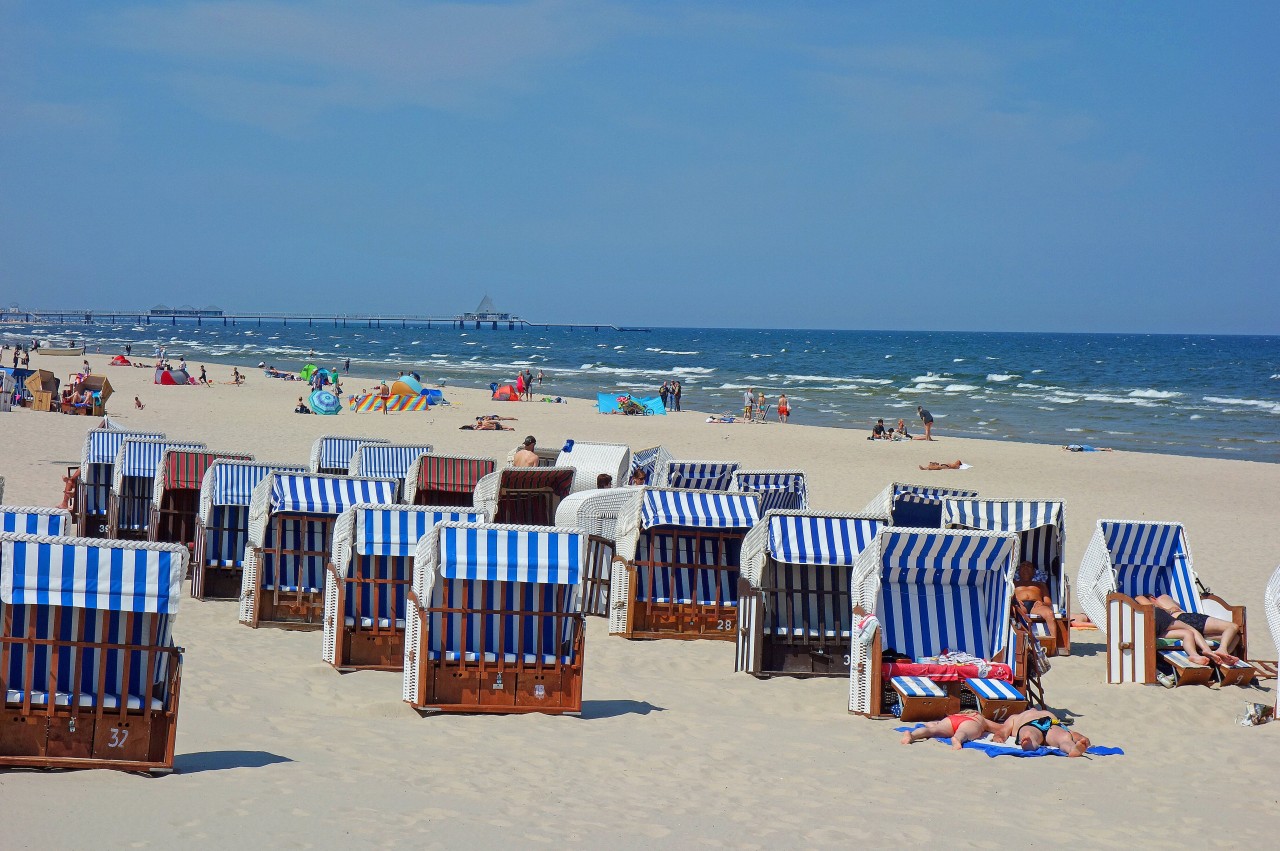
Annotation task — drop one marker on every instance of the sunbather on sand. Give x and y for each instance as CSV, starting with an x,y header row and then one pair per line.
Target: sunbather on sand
x,y
1032,595
486,424
1193,641
942,465
1037,727
1226,633
962,727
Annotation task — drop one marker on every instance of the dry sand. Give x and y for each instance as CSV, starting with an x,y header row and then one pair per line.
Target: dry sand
x,y
275,749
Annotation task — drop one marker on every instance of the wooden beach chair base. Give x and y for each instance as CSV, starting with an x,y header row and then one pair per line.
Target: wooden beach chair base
x,y
803,660
362,650
1240,674
294,611
922,699
996,699
682,620
138,741
1186,672
470,687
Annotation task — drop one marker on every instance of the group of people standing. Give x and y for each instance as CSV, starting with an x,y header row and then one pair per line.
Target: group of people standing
x,y
524,384
670,394
755,405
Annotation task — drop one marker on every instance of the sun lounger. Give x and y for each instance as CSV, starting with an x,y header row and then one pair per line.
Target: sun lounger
x,y
917,506
591,460
675,572
331,454
386,460
793,597
595,514
1041,525
93,486
34,520
89,673
133,480
367,579
445,479
222,525
495,624
175,500
932,592
694,475
291,519
779,490
1128,558
526,496
649,460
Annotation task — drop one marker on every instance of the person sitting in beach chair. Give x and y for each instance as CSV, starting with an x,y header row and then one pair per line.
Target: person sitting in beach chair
x,y
1036,728
1193,641
966,726
1226,633
1032,594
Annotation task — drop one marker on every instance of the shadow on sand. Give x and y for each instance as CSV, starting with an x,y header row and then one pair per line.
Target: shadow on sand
x,y
613,708
194,763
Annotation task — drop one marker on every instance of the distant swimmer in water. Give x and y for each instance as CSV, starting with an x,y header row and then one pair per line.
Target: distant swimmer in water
x,y
1084,447
945,465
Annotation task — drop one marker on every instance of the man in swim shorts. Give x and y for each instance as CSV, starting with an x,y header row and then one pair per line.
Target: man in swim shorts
x,y
1040,727
1170,617
1031,594
1193,641
962,727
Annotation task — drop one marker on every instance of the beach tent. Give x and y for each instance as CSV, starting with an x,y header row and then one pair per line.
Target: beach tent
x,y
590,460
778,489
445,479
1128,558
675,572
386,460
175,494
93,484
525,495
331,454
595,514
794,606
34,520
434,397
406,385
307,371
133,478
495,624
933,592
371,403
121,360
611,403
919,506
172,377
695,475
291,519
89,668
222,525
366,582
506,393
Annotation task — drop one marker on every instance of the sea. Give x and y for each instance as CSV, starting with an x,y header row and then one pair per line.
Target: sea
x,y
1210,396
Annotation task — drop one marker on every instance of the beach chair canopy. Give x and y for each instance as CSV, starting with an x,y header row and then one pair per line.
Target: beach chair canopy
x,y
1136,557
34,520
592,459
779,489
511,480
939,590
386,460
666,508
649,460
918,506
97,461
333,452
453,474
389,530
1040,524
695,475
184,469
594,512
813,538
312,494
229,483
140,459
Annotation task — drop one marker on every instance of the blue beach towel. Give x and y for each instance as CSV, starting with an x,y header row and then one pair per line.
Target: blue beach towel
x,y
992,749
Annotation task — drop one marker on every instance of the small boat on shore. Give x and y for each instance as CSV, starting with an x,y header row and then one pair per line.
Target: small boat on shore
x,y
68,348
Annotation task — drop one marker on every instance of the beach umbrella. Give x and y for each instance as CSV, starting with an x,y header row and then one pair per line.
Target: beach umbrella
x,y
323,402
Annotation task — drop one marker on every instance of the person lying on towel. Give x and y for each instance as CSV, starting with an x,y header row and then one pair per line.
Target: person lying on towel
x,y
1037,728
966,726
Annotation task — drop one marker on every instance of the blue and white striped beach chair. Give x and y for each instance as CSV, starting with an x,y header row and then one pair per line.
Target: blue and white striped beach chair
x,y
592,460
793,602
367,580
35,520
175,494
88,669
291,520
387,460
933,592
675,572
495,623
1128,558
222,525
331,454
695,475
649,460
916,506
133,479
93,485
595,514
1041,526
779,490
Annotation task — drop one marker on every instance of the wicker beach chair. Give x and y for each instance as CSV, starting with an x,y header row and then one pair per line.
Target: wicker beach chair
x,y
917,506
35,520
933,591
1128,558
291,520
88,669
649,460
1041,525
133,480
675,572
367,579
780,490
92,498
526,496
591,460
445,479
694,475
1271,603
331,453
175,494
386,460
595,514
222,525
495,624
794,606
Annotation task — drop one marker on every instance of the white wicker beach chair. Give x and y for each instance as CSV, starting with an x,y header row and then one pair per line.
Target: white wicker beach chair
x,y
918,506
694,475
1271,603
595,514
367,580
386,460
779,490
591,460
331,453
6,392
89,673
794,608
495,624
526,496
445,479
133,478
93,485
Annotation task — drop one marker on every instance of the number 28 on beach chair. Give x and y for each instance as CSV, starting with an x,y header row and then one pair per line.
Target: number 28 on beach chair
x,y
1126,559
495,623
367,581
675,572
88,669
595,514
793,597
445,479
943,634
917,506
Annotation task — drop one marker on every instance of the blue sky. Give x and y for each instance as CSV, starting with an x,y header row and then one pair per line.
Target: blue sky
x,y
966,166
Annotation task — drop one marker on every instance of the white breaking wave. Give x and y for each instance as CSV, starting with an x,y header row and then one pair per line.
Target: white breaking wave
x,y
959,388
1148,393
1000,376
1270,407
670,352
1029,386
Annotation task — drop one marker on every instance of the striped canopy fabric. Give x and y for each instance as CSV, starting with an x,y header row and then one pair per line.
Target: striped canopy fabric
x,y
390,530
590,460
386,460
559,480
454,474
87,573
316,494
333,452
701,509
940,590
812,538
34,520
140,459
1150,558
779,489
918,506
184,469
696,475
649,460
229,483
102,445
510,553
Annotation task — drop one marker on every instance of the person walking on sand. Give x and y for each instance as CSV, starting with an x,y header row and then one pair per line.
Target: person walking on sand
x,y
784,408
676,390
748,402
664,393
927,419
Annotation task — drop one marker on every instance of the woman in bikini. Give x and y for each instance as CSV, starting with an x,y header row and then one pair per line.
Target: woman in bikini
x,y
962,727
1190,626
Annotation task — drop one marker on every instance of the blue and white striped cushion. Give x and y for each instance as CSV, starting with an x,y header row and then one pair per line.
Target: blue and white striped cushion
x,y
1180,659
994,689
917,687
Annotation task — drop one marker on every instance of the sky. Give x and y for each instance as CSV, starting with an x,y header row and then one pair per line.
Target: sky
x,y
1078,166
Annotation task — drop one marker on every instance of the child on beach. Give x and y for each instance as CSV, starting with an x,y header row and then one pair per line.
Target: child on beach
x,y
137,403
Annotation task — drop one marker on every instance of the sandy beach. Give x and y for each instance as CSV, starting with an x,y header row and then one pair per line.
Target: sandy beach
x,y
275,749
